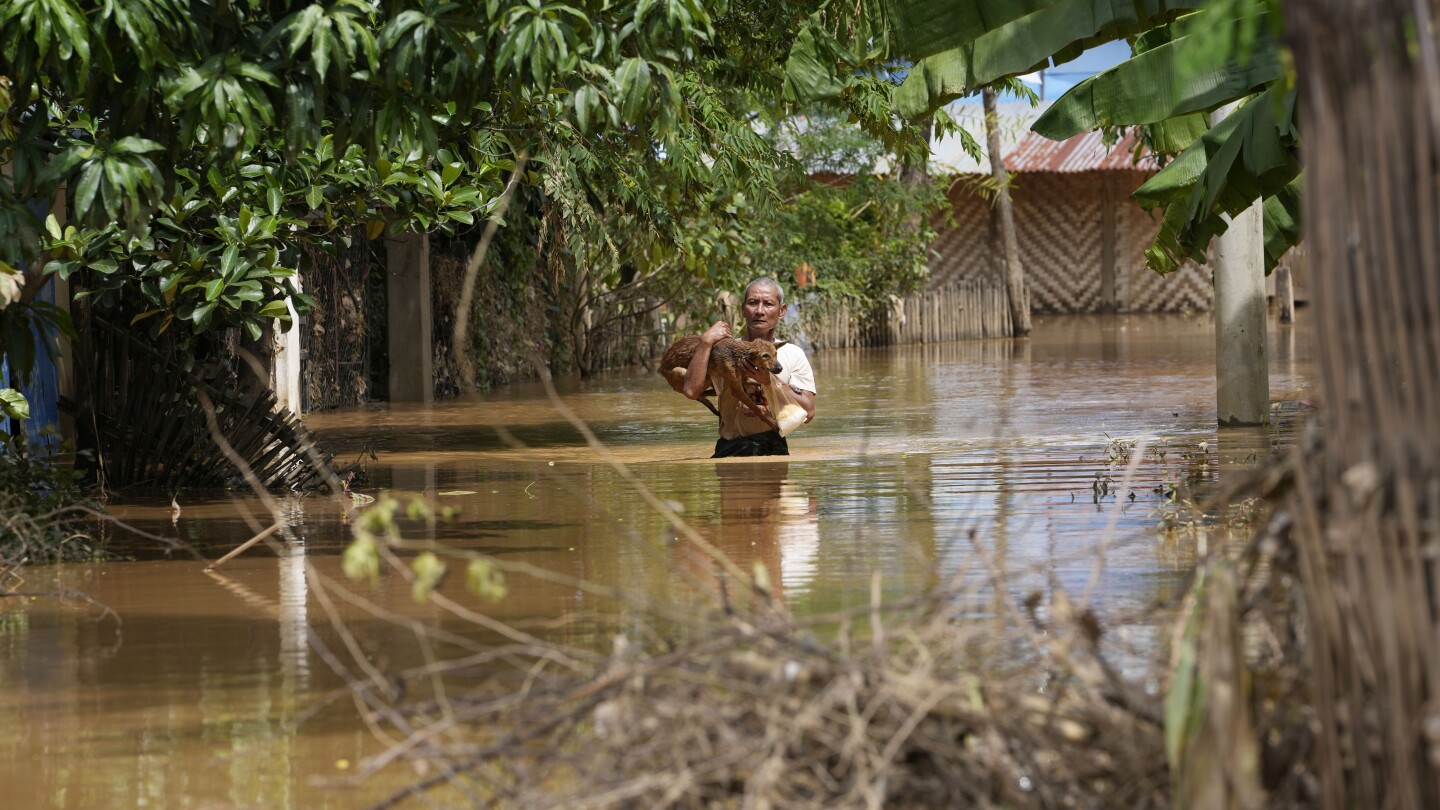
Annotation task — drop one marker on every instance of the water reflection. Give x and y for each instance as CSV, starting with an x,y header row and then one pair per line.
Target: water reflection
x,y
768,525
208,694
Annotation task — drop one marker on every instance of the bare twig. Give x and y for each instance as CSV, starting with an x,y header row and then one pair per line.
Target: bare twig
x,y
240,549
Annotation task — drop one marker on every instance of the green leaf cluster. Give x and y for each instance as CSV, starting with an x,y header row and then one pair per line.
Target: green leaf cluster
x,y
1181,73
377,536
197,147
864,233
1002,40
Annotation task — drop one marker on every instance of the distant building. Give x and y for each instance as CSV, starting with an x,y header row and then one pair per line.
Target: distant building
x,y
1082,238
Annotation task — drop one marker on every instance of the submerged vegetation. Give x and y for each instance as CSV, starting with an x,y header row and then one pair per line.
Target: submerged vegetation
x,y
980,692
44,515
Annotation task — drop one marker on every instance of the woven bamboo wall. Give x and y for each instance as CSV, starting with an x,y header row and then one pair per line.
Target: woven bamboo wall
x,y
1060,221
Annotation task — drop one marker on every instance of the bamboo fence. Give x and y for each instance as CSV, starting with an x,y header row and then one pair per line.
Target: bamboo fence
x,y
959,310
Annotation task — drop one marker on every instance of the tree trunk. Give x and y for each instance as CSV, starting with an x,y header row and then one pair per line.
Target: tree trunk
x,y
411,342
1366,503
1015,287
1109,245
916,172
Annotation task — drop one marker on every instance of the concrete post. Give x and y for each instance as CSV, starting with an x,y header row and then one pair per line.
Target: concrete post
x,y
285,369
411,346
1242,372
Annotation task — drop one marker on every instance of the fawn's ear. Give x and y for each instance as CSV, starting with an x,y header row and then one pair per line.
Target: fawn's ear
x,y
780,343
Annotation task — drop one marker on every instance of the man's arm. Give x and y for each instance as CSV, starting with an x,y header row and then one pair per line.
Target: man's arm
x,y
802,381
697,376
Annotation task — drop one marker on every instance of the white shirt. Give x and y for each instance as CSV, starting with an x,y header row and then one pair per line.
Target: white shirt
x,y
795,372
795,368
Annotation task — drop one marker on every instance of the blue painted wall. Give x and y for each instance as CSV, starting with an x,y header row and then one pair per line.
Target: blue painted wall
x,y
43,387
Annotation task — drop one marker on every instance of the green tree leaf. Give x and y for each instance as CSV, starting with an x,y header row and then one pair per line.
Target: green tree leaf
x,y
361,560
13,404
1032,35
275,309
1161,83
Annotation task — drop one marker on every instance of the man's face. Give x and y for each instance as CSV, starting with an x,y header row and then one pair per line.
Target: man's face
x,y
762,310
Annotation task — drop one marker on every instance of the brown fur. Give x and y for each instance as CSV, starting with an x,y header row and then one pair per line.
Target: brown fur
x,y
731,360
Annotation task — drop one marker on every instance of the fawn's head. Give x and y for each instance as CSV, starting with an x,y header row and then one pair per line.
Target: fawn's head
x,y
764,354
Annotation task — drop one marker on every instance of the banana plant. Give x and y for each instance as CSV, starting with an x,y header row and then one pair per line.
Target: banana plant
x,y
1190,58
1181,72
1178,76
1007,44
1250,155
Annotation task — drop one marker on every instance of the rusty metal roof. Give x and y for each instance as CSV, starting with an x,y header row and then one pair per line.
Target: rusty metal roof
x,y
1082,153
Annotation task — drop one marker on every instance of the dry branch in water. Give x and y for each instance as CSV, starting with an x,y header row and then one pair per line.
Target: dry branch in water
x,y
761,709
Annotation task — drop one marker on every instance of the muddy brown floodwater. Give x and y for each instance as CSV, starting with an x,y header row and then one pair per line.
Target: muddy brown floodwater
x,y
206,691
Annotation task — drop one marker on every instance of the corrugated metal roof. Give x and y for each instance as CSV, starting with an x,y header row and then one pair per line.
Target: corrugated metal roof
x,y
1082,153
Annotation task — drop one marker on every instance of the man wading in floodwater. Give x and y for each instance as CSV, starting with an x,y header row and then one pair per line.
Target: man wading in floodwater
x,y
742,432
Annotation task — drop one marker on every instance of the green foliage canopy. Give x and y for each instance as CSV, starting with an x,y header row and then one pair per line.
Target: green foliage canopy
x,y
198,145
864,233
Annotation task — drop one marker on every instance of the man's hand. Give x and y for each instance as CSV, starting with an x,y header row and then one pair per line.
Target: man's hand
x,y
758,395
716,333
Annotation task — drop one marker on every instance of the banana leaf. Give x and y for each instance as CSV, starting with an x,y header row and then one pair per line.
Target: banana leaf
x,y
1282,222
1249,156
1232,161
1174,135
1161,83
1174,243
1051,35
811,70
921,28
